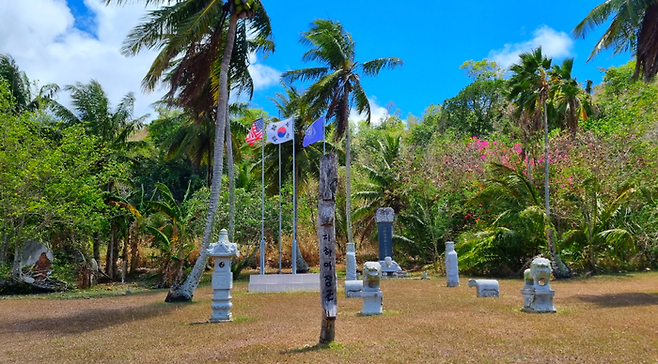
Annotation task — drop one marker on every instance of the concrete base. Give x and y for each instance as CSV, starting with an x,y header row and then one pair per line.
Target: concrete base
x,y
353,288
537,300
372,303
273,283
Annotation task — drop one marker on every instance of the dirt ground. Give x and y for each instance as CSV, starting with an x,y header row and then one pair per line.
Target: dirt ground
x,y
609,319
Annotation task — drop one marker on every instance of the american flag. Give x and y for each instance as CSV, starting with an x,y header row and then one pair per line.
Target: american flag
x,y
256,132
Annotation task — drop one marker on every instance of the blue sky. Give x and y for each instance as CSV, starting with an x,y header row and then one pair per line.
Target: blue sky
x,y
76,40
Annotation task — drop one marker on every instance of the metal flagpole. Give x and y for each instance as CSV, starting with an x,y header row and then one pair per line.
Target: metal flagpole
x,y
294,205
279,202
262,208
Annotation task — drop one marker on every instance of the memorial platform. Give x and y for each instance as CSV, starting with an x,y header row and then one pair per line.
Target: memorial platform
x,y
272,283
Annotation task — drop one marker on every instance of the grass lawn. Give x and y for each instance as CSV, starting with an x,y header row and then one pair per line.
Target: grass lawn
x,y
606,319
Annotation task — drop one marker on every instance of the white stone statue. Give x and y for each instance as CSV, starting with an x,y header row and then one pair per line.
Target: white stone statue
x,y
372,296
485,287
540,270
538,298
452,267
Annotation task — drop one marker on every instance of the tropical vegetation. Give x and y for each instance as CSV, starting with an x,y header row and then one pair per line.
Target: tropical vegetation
x,y
521,162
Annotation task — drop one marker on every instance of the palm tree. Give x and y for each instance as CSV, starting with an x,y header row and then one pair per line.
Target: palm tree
x,y
383,185
530,88
189,34
518,231
594,231
570,102
337,86
112,128
19,87
634,27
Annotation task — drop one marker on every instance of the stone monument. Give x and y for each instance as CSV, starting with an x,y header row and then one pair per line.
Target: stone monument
x,y
350,263
485,287
372,296
222,277
537,293
384,218
452,268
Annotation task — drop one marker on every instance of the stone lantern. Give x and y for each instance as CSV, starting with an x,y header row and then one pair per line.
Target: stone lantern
x,y
222,278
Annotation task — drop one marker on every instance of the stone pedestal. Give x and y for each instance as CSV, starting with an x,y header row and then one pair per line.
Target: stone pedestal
x,y
350,263
372,296
222,278
452,268
537,300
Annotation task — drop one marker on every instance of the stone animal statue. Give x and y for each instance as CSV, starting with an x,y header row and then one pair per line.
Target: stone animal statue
x,y
372,274
541,271
485,287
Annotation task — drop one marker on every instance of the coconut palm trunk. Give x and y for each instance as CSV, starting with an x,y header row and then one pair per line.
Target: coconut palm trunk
x,y
231,178
185,291
560,270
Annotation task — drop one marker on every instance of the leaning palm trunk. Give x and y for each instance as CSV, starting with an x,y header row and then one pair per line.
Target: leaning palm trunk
x,y
348,186
560,270
231,179
185,291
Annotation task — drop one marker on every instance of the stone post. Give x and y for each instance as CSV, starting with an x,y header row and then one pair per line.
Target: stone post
x,y
350,263
384,218
327,243
452,268
222,277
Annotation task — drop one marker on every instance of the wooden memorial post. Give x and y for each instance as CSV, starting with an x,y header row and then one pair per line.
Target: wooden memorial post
x,y
327,239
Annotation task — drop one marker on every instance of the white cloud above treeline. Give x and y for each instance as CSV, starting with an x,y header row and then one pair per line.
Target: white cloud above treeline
x,y
41,35
554,45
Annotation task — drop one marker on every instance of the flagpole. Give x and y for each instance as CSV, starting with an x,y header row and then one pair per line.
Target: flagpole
x,y
294,205
262,206
279,208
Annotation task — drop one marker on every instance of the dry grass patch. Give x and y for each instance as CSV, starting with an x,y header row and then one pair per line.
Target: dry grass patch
x,y
600,320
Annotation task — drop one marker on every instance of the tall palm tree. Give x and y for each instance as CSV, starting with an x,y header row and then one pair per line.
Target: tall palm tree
x,y
530,88
570,102
634,27
337,87
191,32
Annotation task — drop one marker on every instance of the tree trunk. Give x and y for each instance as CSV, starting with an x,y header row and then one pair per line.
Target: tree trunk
x,y
348,186
134,249
560,270
110,263
5,243
302,266
97,249
185,291
327,243
231,178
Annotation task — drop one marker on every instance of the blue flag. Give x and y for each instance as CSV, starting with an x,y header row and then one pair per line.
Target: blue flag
x,y
314,133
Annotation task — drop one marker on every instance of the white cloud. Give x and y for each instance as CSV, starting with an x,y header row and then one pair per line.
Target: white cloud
x,y
263,76
377,113
41,36
554,45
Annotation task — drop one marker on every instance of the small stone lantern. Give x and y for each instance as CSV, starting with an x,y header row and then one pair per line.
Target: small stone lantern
x,y
222,278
